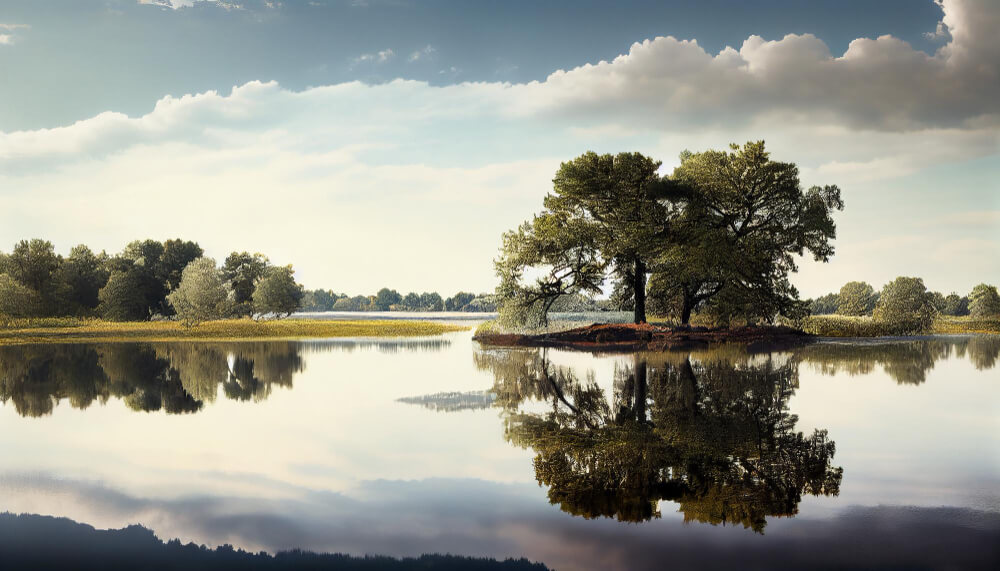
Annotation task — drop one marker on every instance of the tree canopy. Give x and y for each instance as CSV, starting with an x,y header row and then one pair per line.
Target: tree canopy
x,y
720,233
984,301
856,298
277,294
201,294
906,305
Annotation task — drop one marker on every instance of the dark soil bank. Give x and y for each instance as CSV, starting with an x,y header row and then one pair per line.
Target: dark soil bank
x,y
646,337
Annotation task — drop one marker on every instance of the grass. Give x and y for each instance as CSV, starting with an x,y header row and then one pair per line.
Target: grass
x,y
75,330
846,326
968,325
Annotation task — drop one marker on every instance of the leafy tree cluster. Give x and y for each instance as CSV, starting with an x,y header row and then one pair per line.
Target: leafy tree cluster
x,y
905,304
146,279
718,235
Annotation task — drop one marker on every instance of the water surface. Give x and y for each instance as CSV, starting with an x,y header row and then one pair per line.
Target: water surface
x,y
856,454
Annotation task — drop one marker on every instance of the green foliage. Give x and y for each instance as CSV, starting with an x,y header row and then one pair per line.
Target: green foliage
x,y
856,298
566,247
356,303
619,200
458,301
35,265
85,273
824,304
201,294
386,298
242,271
431,301
177,254
482,303
16,299
905,306
142,260
746,218
122,299
984,301
277,293
955,305
319,300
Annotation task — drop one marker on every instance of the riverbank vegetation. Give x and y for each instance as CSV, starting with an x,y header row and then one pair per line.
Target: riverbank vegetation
x,y
147,280
904,306
79,330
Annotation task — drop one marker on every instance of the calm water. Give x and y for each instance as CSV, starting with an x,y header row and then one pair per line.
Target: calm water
x,y
842,453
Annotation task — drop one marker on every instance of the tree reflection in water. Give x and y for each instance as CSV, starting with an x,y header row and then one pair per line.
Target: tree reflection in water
x,y
712,433
174,377
905,361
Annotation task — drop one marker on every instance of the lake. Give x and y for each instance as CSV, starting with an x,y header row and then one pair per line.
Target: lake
x,y
846,454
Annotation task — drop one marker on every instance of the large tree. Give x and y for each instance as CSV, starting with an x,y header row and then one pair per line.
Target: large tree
x,y
35,265
984,301
277,293
243,270
744,219
856,298
621,197
85,273
605,214
905,306
386,298
122,299
201,294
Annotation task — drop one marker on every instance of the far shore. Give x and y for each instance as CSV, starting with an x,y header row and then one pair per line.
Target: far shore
x,y
74,330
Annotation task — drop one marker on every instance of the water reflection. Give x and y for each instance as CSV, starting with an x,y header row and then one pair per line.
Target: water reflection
x,y
906,362
710,433
174,377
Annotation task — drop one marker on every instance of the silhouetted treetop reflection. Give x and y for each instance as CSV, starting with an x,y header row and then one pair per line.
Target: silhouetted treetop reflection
x,y
174,377
712,434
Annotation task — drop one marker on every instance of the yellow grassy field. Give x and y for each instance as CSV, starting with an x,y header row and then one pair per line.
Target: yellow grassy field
x,y
72,330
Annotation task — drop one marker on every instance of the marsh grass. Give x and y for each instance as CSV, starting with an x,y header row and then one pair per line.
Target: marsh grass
x,y
968,325
72,330
846,326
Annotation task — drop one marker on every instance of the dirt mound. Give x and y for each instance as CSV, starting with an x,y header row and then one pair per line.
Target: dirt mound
x,y
644,336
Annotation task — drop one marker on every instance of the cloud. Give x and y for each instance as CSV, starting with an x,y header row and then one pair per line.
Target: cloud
x,y
877,84
452,166
422,53
8,39
381,56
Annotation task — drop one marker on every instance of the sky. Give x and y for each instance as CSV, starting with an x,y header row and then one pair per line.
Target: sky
x,y
391,143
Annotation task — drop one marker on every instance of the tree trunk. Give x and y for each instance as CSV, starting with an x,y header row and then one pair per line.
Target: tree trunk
x,y
686,311
639,291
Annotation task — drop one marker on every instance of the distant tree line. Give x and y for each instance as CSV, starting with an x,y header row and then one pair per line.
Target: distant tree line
x,y
391,300
146,280
905,301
